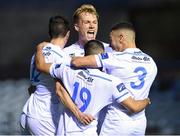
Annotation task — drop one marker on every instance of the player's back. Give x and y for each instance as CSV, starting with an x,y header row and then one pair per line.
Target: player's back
x,y
44,102
137,70
91,90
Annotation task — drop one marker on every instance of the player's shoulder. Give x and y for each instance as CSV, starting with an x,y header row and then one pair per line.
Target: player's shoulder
x,y
72,46
107,47
104,76
105,44
50,46
53,50
74,50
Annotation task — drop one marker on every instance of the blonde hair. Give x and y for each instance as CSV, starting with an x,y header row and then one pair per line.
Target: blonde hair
x,y
84,8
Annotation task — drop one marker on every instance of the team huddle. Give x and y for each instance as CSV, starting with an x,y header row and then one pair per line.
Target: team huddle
x,y
74,84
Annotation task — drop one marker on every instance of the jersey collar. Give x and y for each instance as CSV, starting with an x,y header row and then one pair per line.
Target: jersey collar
x,y
132,50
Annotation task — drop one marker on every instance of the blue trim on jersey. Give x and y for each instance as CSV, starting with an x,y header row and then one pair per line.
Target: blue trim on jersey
x,y
54,52
101,77
121,96
54,73
100,60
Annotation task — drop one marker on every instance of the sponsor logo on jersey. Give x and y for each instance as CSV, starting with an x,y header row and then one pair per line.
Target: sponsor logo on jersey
x,y
47,53
121,87
72,55
146,59
104,56
86,77
140,58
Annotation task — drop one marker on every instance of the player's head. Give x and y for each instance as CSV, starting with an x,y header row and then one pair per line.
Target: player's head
x,y
59,27
86,22
93,47
122,36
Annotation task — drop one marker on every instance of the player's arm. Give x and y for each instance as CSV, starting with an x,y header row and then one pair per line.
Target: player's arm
x,y
41,65
135,105
67,102
61,92
87,61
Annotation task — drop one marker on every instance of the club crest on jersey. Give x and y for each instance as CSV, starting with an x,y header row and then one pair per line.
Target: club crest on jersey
x,y
104,55
121,87
57,66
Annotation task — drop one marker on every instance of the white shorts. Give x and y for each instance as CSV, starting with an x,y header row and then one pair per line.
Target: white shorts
x,y
23,127
41,127
124,127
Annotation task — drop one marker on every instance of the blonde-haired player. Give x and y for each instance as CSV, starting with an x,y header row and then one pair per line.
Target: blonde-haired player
x,y
86,24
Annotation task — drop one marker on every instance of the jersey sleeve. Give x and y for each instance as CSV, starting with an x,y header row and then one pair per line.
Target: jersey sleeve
x,y
56,70
48,56
120,93
106,60
98,61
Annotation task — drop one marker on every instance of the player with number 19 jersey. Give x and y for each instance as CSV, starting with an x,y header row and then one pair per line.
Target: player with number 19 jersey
x,y
44,104
137,71
91,90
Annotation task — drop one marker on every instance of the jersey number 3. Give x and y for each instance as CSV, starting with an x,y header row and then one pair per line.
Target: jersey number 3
x,y
140,77
84,95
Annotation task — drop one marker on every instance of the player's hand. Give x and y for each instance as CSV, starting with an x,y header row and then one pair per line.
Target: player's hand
x,y
85,119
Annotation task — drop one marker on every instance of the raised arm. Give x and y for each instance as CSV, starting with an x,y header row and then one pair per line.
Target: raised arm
x,y
135,105
67,102
87,61
41,65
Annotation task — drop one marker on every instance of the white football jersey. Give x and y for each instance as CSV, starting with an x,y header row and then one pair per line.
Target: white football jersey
x,y
136,69
76,49
44,103
91,90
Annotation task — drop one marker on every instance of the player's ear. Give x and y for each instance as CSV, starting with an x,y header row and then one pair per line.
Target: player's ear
x,y
121,37
68,34
76,27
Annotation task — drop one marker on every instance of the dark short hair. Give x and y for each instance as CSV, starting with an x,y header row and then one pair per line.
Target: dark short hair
x,y
58,26
93,47
123,25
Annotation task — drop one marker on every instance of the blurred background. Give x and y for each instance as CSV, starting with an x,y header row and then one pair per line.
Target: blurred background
x,y
24,23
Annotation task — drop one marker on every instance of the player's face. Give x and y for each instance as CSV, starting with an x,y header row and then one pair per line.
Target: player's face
x,y
115,41
87,27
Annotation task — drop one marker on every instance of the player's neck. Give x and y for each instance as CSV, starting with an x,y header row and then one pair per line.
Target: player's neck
x,y
132,45
58,42
81,43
